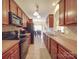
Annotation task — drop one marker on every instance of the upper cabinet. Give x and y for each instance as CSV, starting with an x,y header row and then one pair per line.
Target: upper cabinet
x,y
30,21
5,8
24,19
61,13
19,12
50,20
67,12
13,7
70,11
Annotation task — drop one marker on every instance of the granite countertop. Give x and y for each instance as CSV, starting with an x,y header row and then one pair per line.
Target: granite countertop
x,y
67,43
7,44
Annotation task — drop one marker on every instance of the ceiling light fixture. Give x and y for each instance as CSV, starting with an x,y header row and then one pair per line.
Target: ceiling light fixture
x,y
36,13
53,4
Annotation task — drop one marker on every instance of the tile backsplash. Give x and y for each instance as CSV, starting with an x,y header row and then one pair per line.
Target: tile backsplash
x,y
71,32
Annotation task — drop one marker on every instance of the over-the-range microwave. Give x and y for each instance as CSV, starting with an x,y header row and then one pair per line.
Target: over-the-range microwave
x,y
14,19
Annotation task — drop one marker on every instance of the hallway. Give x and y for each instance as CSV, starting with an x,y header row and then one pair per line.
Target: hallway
x,y
38,50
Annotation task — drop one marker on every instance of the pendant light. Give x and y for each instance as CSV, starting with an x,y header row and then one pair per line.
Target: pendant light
x,y
36,13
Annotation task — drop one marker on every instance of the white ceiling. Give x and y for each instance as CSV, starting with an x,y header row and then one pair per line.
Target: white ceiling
x,y
45,7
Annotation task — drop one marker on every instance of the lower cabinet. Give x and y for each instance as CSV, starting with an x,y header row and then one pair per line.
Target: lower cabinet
x,y
29,40
49,45
45,40
12,53
56,50
6,55
64,54
53,49
15,55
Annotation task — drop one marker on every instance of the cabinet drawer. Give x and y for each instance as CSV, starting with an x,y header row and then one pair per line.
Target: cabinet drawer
x,y
62,50
13,7
65,53
60,56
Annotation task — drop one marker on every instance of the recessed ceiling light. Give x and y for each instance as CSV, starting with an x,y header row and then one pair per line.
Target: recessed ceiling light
x,y
53,4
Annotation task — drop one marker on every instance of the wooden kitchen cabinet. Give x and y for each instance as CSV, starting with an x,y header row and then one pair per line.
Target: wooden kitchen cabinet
x,y
6,55
15,55
19,12
13,7
30,21
29,40
27,19
49,44
46,40
67,12
53,49
24,20
44,37
61,13
70,11
57,51
50,20
64,54
5,15
12,53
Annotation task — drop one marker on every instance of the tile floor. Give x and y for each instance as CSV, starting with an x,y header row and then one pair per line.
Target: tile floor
x,y
38,50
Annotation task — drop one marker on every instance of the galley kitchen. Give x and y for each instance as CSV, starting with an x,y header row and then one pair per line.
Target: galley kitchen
x,y
39,29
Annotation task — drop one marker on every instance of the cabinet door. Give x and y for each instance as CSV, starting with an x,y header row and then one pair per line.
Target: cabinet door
x,y
45,40
15,54
19,12
29,40
6,55
61,13
61,56
51,20
5,8
49,45
53,49
13,7
70,11
24,20
64,54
